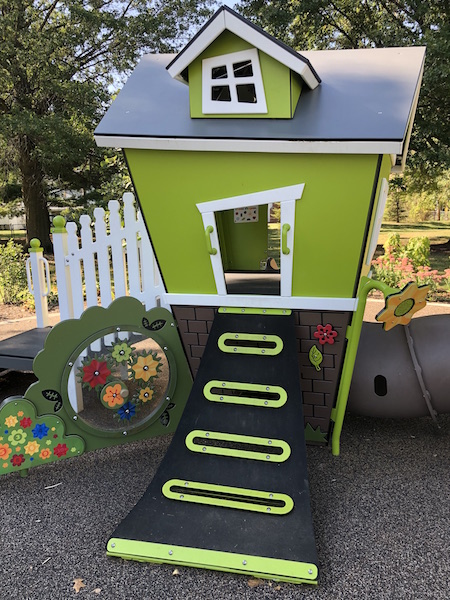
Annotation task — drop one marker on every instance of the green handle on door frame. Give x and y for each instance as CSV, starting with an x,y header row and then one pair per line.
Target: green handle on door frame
x,y
284,231
208,232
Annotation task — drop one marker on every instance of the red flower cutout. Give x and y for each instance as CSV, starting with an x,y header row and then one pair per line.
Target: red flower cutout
x,y
325,334
25,422
96,373
60,450
17,460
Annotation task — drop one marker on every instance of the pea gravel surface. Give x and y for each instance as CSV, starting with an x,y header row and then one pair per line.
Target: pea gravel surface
x,y
381,513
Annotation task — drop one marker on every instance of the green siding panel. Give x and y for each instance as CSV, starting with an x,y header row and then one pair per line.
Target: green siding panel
x,y
330,217
276,79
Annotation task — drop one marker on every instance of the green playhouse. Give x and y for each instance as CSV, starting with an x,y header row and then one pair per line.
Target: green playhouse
x,y
262,176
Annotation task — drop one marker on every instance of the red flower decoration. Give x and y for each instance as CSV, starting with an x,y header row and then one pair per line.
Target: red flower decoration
x,y
17,460
60,450
96,373
25,422
325,334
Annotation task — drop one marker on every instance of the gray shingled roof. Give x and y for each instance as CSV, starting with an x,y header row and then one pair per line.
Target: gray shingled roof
x,y
365,95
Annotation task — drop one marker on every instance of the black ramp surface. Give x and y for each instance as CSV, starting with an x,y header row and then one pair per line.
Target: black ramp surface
x,y
290,537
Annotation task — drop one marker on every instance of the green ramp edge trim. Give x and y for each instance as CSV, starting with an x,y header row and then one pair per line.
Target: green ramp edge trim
x,y
258,566
267,393
245,343
266,453
270,503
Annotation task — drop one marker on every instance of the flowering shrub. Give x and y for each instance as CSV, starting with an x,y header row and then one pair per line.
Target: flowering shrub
x,y
401,264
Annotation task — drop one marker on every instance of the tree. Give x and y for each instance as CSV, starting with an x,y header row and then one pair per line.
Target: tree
x,y
325,24
57,60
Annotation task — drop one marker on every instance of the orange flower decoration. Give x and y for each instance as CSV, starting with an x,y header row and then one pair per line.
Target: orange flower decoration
x,y
400,307
45,453
145,367
5,451
112,396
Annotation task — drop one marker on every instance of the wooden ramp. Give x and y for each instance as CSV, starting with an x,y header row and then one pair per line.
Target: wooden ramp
x,y
232,492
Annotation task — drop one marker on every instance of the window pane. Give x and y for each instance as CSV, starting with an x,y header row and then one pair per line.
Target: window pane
x,y
220,93
243,69
219,72
246,93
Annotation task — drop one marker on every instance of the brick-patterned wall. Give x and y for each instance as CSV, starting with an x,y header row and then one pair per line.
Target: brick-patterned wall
x,y
319,387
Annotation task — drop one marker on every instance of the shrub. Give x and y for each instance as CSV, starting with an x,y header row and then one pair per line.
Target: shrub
x,y
401,264
13,277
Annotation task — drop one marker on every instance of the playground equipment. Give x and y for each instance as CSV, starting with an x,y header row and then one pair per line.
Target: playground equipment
x,y
220,139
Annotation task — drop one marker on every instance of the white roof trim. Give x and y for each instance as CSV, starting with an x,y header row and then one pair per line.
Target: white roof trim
x,y
255,301
226,20
283,194
222,145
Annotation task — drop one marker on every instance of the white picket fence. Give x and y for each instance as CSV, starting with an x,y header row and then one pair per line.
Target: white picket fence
x,y
106,261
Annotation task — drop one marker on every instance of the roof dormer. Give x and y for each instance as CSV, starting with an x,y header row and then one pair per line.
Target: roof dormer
x,y
235,69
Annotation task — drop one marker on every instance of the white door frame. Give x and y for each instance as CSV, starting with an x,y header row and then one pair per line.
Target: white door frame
x,y
287,197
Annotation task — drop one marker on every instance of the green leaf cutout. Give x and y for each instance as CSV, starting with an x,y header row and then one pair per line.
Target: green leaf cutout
x,y
315,357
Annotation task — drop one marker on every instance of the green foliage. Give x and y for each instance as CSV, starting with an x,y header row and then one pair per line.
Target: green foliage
x,y
404,263
58,63
13,278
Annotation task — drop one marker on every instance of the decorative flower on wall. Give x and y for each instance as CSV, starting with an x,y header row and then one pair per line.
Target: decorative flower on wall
x,y
5,451
145,394
112,395
127,411
325,334
146,367
400,307
95,373
121,352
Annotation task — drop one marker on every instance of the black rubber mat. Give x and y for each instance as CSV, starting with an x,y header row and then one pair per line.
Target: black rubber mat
x,y
289,536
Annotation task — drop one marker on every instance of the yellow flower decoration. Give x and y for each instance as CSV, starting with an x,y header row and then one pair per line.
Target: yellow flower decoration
x,y
146,394
11,421
20,413
400,307
5,465
31,448
145,367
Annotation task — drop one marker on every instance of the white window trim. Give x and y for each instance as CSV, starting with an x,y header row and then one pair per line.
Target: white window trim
x,y
287,197
234,106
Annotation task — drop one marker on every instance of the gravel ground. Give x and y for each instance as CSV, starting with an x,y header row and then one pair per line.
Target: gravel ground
x,y
380,511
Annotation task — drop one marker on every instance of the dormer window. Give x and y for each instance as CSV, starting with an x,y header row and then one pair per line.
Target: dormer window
x,y
232,84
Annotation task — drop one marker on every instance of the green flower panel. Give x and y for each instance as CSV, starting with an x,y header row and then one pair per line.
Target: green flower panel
x,y
27,440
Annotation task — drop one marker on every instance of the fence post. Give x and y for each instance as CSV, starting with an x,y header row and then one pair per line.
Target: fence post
x,y
60,251
38,281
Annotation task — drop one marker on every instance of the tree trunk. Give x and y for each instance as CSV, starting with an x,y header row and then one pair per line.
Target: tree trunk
x,y
34,196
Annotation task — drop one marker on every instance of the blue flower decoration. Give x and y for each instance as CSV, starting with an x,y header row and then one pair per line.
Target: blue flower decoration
x,y
127,411
40,431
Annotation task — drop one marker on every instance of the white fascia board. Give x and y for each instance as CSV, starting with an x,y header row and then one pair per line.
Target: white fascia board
x,y
226,20
198,45
256,301
283,194
275,146
260,41
410,122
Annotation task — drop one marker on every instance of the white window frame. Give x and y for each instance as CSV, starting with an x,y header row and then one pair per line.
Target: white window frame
x,y
287,197
210,106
